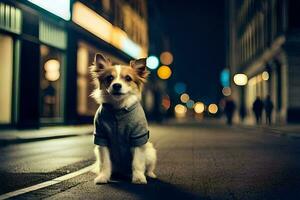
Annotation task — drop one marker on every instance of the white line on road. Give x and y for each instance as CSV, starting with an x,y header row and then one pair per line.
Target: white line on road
x,y
46,184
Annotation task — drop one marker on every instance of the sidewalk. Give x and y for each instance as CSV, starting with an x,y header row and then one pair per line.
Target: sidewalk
x,y
20,136
289,130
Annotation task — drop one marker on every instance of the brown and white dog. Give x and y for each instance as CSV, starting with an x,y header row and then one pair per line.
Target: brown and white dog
x,y
121,86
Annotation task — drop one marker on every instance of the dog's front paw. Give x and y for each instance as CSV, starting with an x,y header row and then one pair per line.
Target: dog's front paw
x,y
139,179
101,179
151,175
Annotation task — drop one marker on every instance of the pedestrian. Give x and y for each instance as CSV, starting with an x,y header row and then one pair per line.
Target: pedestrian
x,y
257,108
243,112
229,110
268,105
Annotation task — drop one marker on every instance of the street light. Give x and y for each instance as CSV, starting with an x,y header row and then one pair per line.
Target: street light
x,y
240,79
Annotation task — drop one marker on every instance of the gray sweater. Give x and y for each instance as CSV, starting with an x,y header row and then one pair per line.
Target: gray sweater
x,y
120,130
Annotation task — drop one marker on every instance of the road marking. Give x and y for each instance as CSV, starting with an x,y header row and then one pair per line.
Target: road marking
x,y
46,184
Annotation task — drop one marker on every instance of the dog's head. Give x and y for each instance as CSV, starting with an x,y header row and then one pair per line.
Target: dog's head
x,y
119,83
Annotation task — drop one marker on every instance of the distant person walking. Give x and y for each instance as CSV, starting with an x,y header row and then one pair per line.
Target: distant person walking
x,y
257,108
243,112
268,108
229,110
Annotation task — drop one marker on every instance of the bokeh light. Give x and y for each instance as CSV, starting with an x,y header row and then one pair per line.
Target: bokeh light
x,y
199,107
166,103
166,58
164,72
52,70
212,108
152,62
190,103
184,98
240,79
265,76
180,110
226,91
180,88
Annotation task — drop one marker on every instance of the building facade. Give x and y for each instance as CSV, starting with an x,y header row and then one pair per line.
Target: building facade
x,y
264,44
46,48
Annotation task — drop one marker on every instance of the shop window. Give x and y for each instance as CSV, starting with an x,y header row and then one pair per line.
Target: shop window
x,y
6,76
86,106
51,84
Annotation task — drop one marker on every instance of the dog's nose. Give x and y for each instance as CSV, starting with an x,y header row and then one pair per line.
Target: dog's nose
x,y
117,86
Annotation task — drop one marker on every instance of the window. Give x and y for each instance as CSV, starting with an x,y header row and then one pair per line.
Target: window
x,y
51,84
86,106
6,78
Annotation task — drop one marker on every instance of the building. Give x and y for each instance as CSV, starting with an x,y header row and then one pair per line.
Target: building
x,y
264,44
46,48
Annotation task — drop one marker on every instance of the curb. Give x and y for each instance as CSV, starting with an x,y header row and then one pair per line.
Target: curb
x,y
18,140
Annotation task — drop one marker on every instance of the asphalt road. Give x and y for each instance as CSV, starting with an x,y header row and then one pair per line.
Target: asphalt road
x,y
194,162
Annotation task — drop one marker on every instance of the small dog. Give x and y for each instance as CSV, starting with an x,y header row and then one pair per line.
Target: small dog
x,y
121,131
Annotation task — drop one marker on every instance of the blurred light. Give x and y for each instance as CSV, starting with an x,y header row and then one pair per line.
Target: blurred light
x,y
213,108
199,107
184,98
60,8
52,65
52,70
166,103
240,79
265,76
152,62
180,110
180,88
164,72
131,48
226,91
190,103
99,26
225,78
166,58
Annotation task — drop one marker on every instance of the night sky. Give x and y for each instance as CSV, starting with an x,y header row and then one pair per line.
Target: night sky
x,y
195,35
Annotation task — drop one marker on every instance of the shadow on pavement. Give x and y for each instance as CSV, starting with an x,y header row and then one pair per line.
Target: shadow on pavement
x,y
155,189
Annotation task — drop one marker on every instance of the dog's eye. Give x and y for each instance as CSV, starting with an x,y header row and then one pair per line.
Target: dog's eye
x,y
128,78
109,78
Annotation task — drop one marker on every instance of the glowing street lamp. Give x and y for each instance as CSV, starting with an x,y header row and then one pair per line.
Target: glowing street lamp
x,y
240,79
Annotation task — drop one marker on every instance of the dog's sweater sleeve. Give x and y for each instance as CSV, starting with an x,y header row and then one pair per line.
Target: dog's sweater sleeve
x,y
139,133
100,137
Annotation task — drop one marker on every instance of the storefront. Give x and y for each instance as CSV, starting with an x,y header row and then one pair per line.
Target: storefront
x,y
46,52
32,62
10,30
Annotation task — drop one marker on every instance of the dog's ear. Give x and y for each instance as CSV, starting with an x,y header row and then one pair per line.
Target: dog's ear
x,y
101,62
140,67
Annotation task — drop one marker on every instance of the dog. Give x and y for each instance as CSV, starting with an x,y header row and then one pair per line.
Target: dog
x,y
121,131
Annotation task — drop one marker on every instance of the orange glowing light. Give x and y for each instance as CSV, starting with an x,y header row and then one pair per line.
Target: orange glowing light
x,y
180,110
166,58
199,107
213,108
164,72
166,103
184,98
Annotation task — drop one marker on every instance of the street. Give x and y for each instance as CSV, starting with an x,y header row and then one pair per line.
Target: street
x,y
195,161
